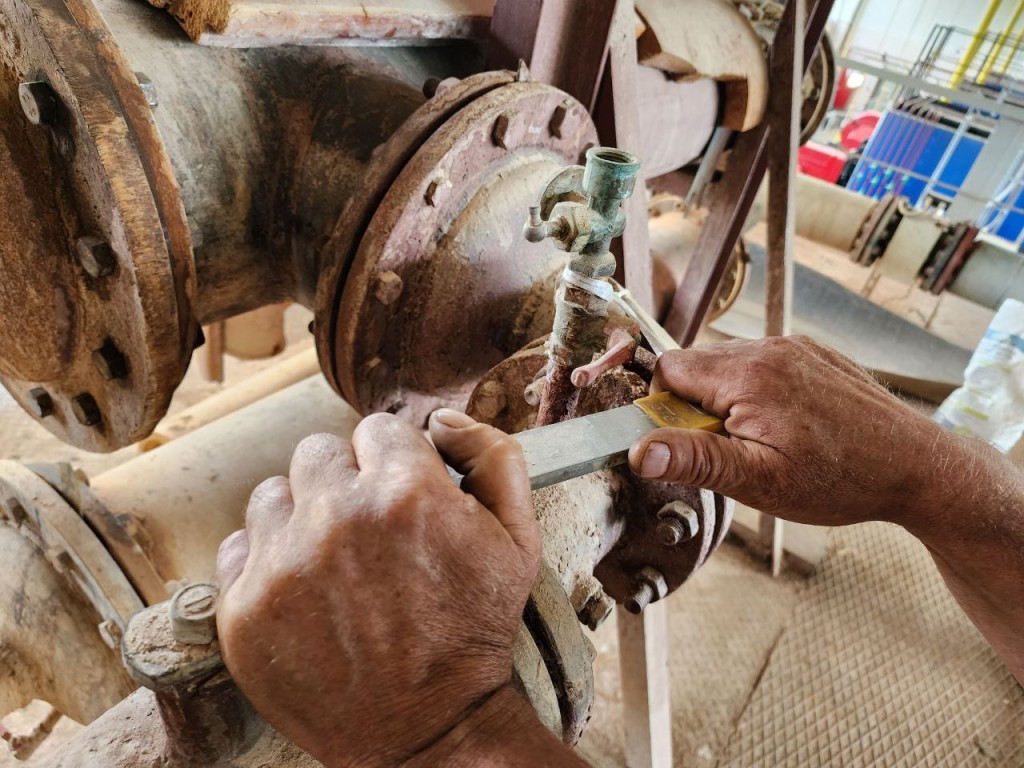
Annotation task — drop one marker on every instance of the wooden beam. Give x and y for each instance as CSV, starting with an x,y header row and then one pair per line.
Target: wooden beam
x,y
563,41
256,23
646,702
783,145
617,116
747,165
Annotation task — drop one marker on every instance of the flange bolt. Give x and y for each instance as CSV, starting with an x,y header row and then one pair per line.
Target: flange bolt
x,y
677,522
650,587
194,614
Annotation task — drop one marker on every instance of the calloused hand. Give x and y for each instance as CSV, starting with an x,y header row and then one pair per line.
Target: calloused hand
x,y
369,608
813,438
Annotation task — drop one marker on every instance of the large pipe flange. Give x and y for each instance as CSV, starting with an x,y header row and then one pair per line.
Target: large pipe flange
x,y
95,249
451,226
388,162
64,643
143,204
610,526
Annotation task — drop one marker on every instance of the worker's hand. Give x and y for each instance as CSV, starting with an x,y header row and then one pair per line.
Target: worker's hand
x,y
370,606
813,437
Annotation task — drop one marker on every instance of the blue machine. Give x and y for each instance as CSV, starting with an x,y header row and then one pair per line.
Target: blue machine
x,y
907,151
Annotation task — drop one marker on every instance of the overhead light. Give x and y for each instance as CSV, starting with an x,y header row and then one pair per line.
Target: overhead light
x,y
854,80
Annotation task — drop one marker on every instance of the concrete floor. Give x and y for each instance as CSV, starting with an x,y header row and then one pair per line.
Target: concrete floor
x,y
867,663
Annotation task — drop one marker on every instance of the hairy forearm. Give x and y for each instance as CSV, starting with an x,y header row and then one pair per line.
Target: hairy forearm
x,y
504,732
971,518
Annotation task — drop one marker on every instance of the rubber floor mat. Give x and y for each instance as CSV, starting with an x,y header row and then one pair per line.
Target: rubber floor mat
x,y
878,666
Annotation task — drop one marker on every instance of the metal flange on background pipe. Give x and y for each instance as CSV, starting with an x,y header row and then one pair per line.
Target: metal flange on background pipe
x,y
152,185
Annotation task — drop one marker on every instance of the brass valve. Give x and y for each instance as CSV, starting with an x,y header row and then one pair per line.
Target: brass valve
x,y
580,209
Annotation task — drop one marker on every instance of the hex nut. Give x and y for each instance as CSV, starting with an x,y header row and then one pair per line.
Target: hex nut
x,y
650,587
558,120
193,612
499,134
155,658
677,522
38,102
389,288
95,256
110,361
430,86
62,561
596,610
110,633
490,400
436,191
40,403
86,410
148,89
14,511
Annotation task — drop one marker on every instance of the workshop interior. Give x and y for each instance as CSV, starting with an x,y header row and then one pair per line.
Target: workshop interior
x,y
226,226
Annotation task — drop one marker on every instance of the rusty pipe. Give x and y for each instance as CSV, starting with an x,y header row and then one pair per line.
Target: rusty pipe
x,y
162,185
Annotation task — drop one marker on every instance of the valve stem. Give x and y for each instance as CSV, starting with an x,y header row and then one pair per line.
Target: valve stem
x,y
590,204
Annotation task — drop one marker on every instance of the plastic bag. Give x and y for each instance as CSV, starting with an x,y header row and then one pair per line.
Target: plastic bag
x,y
990,404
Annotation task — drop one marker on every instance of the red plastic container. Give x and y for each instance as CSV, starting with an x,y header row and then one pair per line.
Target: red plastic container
x,y
822,162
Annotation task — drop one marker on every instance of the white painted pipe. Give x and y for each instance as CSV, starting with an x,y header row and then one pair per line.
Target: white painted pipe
x,y
186,496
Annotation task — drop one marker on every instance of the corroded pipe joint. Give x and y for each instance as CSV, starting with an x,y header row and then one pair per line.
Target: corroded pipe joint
x,y
581,302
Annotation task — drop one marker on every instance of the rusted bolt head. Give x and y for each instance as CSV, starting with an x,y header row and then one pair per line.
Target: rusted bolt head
x,y
649,587
596,610
490,400
61,560
677,522
95,256
86,410
38,102
436,190
40,403
14,511
558,119
432,86
533,392
194,614
499,134
110,633
109,361
389,288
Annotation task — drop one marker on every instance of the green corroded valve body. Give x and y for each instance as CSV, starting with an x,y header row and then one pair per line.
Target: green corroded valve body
x,y
581,209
